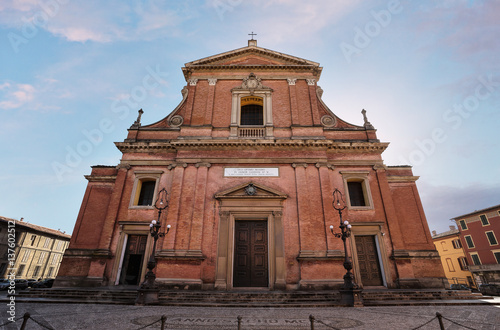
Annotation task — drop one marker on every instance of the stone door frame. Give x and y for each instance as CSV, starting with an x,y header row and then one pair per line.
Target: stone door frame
x,y
126,229
375,230
265,204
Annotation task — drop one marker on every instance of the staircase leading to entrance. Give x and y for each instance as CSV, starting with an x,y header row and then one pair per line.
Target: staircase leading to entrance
x,y
252,298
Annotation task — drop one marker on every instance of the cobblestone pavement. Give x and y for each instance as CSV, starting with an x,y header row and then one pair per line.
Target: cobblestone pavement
x,y
81,316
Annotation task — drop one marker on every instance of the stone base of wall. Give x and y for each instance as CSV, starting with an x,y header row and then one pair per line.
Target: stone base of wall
x,y
78,281
310,285
422,283
180,284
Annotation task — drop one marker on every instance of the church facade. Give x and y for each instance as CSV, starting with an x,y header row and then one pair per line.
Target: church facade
x,y
250,159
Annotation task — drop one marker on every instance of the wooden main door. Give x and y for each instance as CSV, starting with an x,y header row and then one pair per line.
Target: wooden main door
x,y
250,254
133,259
369,265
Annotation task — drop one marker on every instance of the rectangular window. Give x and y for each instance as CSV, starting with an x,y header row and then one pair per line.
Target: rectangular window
x,y
54,259
47,242
33,238
147,192
26,255
450,265
356,194
491,238
36,271
41,259
497,257
463,225
456,244
484,220
462,261
468,240
51,270
20,270
475,259
59,245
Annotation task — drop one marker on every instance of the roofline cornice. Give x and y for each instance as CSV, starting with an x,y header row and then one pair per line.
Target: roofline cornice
x,y
249,49
329,145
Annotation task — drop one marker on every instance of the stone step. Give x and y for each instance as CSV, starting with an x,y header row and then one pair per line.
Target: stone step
x,y
254,299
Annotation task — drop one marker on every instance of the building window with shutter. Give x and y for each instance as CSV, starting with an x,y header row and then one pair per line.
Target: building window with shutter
x,y
456,244
462,261
463,224
484,220
475,259
469,241
496,254
491,238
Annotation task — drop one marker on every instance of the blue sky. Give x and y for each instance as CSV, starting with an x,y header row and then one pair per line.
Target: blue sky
x,y
74,73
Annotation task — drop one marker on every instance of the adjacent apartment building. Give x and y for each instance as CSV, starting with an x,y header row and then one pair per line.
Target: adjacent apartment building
x,y
453,258
479,234
37,250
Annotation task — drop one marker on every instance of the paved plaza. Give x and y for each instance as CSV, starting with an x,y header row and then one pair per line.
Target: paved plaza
x,y
91,316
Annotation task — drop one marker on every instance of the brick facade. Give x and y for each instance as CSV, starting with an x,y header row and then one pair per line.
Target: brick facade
x,y
192,153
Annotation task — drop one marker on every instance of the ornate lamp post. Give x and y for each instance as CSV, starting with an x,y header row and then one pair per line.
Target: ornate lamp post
x,y
350,293
148,293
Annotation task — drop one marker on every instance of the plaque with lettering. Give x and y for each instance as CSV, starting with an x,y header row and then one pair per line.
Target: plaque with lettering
x,y
251,171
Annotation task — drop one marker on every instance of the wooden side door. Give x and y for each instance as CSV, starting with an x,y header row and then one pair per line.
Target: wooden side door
x,y
368,263
133,259
250,254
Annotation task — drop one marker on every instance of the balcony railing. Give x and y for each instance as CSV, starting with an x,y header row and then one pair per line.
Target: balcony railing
x,y
251,132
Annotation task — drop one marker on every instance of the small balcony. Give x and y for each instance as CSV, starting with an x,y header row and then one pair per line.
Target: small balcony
x,y
251,132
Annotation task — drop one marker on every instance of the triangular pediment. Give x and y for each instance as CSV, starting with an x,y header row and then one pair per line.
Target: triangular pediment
x,y
251,190
251,55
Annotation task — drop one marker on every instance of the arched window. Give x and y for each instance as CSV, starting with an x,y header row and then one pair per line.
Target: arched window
x,y
252,111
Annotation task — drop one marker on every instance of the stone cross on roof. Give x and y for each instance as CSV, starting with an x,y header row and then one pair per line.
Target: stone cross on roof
x,y
252,34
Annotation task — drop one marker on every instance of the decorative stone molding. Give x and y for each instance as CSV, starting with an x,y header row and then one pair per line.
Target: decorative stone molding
x,y
311,82
192,82
101,178
291,81
176,121
295,165
251,84
208,165
123,165
319,91
250,190
379,167
278,213
171,166
328,121
212,81
184,92
170,146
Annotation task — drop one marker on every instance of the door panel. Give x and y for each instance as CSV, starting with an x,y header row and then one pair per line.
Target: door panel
x,y
251,256
133,259
368,263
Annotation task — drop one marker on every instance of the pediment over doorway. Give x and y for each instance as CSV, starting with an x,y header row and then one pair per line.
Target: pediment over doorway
x,y
251,190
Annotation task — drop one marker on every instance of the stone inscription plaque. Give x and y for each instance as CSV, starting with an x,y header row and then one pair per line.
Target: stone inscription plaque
x,y
251,171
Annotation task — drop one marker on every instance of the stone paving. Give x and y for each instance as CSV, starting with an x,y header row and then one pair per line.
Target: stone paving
x,y
85,316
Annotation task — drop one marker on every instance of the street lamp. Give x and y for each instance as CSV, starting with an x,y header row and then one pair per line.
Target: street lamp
x,y
148,293
349,292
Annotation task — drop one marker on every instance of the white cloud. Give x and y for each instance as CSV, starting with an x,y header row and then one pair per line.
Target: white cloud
x,y
17,95
96,21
